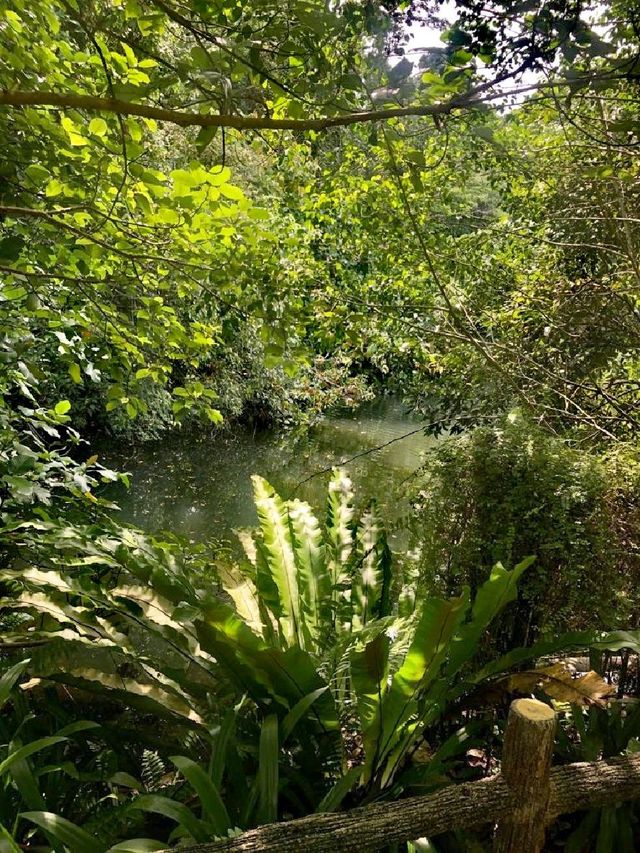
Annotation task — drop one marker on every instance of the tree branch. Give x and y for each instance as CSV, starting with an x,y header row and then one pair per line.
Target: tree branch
x,y
39,97
187,119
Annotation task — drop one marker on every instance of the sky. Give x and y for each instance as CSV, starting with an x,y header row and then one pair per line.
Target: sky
x,y
422,37
427,37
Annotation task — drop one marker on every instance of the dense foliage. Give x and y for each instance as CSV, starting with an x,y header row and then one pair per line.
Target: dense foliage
x,y
218,214
348,669
500,493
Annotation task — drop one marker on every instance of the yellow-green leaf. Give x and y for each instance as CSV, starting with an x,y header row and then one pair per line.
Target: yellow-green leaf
x,y
97,126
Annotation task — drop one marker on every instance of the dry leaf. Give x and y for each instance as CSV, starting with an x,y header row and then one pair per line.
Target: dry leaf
x,y
559,684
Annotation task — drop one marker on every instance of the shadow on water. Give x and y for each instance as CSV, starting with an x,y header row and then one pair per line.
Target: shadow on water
x,y
201,487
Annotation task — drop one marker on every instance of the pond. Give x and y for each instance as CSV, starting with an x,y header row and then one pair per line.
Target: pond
x,y
201,487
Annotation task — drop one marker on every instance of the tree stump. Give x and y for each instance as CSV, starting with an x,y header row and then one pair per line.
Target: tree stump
x,y
526,763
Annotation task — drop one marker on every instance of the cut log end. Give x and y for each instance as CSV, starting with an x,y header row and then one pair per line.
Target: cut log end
x,y
533,710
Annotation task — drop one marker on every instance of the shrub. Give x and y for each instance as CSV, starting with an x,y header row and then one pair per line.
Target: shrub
x,y
499,494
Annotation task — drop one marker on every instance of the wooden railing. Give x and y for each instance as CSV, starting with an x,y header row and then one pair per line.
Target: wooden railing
x,y
520,802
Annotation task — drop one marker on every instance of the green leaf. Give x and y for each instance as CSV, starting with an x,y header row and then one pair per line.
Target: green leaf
x,y
138,845
204,137
132,59
339,528
269,751
278,567
201,59
213,808
483,132
174,810
13,293
38,174
370,589
14,20
74,373
613,641
437,622
72,836
299,710
9,679
220,742
54,188
214,415
314,581
78,726
98,126
125,780
168,216
26,782
7,844
77,141
62,407
490,600
231,192
369,669
331,801
258,213
27,750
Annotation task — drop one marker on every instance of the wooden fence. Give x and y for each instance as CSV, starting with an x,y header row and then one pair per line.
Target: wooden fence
x,y
520,802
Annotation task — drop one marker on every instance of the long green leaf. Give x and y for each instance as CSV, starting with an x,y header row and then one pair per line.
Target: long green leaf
x,y
75,838
372,581
7,844
174,810
613,641
438,622
245,657
244,594
138,845
220,740
27,750
491,598
9,679
268,774
78,726
369,670
213,808
27,784
314,582
148,697
332,800
340,541
277,548
267,673
299,710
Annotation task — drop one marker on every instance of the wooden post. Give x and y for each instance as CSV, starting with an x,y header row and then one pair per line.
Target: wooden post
x,y
526,762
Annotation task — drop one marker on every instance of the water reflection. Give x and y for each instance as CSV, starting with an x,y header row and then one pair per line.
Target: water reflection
x,y
202,487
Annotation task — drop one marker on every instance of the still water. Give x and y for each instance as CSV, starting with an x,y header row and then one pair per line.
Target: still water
x,y
201,487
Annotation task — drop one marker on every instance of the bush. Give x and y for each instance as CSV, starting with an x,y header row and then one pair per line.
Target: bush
x,y
502,493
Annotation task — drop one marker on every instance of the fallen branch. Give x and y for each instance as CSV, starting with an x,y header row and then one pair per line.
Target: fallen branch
x,y
572,788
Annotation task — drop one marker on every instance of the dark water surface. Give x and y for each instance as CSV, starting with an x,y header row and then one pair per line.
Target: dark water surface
x,y
201,488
